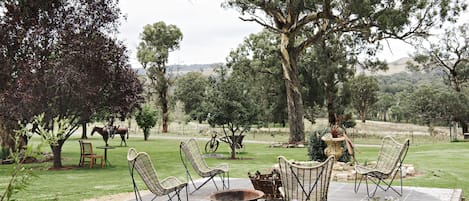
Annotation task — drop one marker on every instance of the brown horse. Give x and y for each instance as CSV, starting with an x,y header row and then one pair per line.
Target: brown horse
x,y
108,131
122,131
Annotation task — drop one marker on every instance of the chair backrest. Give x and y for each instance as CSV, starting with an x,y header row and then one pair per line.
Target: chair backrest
x,y
86,148
131,154
305,182
81,146
192,152
141,162
391,155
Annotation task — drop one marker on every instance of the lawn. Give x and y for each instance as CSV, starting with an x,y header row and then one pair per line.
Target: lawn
x,y
439,165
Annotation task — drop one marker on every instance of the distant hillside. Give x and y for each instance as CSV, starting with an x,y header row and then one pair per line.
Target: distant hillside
x,y
397,66
206,69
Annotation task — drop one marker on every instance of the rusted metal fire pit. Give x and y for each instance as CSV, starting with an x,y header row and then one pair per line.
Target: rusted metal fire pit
x,y
236,195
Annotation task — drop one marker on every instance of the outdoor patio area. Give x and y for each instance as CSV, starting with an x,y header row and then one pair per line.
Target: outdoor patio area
x,y
337,192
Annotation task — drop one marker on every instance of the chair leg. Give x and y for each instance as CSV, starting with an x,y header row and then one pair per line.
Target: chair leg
x,y
388,185
92,161
102,162
189,178
136,191
176,193
205,182
225,179
383,185
356,187
187,192
376,186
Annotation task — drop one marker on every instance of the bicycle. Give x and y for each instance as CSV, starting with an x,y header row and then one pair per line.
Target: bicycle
x,y
212,145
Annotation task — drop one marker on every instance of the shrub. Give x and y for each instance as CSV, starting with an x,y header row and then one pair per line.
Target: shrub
x,y
317,146
146,119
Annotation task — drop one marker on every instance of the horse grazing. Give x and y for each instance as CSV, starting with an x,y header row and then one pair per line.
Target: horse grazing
x,y
107,132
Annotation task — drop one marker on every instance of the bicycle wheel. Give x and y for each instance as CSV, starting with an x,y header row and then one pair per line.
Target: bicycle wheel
x,y
211,146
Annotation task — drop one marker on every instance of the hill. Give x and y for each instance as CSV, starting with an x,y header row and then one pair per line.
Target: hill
x,y
206,69
397,66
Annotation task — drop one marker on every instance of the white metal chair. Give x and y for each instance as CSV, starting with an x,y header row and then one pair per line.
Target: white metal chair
x,y
301,182
141,163
389,164
190,153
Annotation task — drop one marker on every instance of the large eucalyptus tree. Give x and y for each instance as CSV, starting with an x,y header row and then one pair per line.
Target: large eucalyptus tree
x,y
302,23
158,40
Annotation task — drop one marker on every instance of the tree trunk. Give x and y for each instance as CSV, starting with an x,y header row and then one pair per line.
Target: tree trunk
x,y
330,106
363,116
83,134
384,115
146,132
6,136
463,126
57,151
295,107
165,120
164,108
233,146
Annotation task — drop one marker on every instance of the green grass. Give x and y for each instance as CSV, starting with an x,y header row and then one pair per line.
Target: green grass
x,y
439,165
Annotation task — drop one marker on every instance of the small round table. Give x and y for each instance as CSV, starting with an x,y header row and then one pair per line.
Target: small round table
x,y
106,162
334,146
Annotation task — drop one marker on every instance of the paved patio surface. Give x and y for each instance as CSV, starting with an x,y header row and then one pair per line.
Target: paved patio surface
x,y
337,192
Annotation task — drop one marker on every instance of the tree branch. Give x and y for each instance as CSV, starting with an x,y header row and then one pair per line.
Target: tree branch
x,y
308,42
264,24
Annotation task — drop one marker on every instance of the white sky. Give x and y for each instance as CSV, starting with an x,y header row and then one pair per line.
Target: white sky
x,y
210,32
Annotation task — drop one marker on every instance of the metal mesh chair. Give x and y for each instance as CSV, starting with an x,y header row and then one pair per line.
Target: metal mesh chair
x,y
305,182
389,164
190,153
141,162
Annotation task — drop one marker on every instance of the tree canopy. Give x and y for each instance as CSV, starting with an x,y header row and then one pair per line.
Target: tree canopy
x,y
58,57
146,119
257,62
364,90
190,90
301,24
230,104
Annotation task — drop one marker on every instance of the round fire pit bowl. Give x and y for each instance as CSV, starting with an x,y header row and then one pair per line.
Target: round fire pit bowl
x,y
236,195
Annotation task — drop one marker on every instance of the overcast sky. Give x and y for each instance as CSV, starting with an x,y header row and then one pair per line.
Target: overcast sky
x,y
209,31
